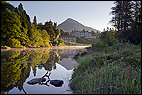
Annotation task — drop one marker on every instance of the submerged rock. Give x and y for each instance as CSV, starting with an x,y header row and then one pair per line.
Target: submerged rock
x,y
56,83
36,80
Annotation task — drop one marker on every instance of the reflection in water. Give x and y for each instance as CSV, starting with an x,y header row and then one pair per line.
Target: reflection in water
x,y
43,81
17,66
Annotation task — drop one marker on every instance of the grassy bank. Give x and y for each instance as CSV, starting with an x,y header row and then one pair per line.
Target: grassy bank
x,y
112,69
74,44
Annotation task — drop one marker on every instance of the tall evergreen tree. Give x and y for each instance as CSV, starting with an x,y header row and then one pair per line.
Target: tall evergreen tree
x,y
35,22
116,20
136,14
127,20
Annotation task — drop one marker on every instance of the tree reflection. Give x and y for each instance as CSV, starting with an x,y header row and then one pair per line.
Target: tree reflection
x,y
15,68
16,65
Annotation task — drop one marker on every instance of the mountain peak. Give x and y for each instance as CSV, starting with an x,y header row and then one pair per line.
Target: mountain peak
x,y
70,24
69,19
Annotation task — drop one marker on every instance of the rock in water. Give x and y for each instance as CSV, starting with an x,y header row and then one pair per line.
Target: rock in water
x,y
36,80
56,83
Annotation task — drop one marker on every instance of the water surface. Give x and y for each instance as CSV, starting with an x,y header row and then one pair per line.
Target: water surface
x,y
20,66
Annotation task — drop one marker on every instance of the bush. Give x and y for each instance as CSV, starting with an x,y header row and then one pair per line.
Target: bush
x,y
101,44
59,42
12,42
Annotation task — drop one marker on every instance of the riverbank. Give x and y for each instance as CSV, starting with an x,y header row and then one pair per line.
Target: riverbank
x,y
52,47
113,69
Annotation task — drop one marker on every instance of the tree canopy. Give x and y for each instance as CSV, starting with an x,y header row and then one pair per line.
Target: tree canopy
x,y
127,20
17,30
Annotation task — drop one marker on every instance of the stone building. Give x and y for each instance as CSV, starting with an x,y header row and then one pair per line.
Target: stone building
x,y
83,33
68,38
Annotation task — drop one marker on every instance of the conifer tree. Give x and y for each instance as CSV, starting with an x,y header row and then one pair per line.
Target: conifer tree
x,y
127,20
35,22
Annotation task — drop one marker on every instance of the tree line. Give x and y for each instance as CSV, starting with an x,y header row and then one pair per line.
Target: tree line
x,y
17,30
127,20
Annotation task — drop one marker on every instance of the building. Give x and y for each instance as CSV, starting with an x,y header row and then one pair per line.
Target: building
x,y
68,38
84,34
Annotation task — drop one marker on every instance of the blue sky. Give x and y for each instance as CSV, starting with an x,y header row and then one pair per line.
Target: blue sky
x,y
94,14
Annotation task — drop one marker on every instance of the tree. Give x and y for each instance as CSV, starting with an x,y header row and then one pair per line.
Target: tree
x,y
127,20
50,30
10,25
35,22
26,25
136,14
122,15
40,26
46,38
7,5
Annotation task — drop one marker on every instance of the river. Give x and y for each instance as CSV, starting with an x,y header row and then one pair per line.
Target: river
x,y
18,66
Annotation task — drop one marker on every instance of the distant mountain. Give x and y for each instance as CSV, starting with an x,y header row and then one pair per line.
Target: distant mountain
x,y
71,24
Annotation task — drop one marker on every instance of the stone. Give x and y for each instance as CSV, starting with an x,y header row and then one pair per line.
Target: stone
x,y
56,83
36,80
74,57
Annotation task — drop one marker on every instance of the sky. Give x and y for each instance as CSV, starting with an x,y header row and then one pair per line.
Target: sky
x,y
93,14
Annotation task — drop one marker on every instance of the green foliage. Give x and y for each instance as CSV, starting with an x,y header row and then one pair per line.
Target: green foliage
x,y
5,5
101,73
86,41
59,42
10,25
127,20
46,38
107,37
35,38
40,26
35,22
101,45
65,33
12,42
24,18
16,24
51,30
72,44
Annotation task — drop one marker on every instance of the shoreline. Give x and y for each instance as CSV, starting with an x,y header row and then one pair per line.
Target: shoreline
x,y
52,47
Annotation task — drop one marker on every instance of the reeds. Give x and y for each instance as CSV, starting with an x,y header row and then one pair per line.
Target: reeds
x,y
117,71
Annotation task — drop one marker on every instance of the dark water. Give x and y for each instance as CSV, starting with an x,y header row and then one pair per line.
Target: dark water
x,y
20,66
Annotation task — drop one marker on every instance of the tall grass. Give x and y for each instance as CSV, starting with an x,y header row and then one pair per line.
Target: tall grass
x,y
113,70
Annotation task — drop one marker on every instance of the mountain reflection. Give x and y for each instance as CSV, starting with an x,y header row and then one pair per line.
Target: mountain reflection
x,y
16,65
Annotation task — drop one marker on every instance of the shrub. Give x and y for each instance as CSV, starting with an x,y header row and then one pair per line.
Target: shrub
x,y
101,44
12,42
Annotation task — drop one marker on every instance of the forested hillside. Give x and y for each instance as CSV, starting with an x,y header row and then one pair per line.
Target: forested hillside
x,y
17,30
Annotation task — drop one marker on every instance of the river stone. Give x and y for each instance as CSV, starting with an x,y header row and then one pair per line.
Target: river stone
x,y
36,80
56,83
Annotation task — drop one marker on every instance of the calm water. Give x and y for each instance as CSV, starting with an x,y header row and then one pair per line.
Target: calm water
x,y
20,66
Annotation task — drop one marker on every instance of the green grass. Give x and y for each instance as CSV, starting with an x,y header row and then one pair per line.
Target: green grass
x,y
86,41
74,44
114,69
